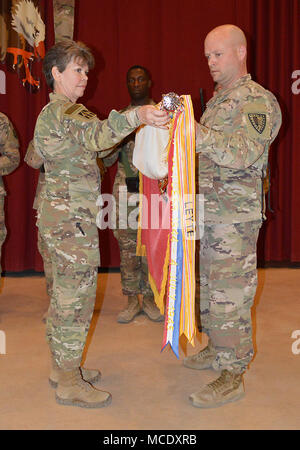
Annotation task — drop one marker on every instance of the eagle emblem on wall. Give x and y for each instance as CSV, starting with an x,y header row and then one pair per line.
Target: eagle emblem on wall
x,y
22,36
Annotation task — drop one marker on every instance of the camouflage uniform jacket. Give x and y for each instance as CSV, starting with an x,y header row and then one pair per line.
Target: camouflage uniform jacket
x,y
10,157
68,137
127,146
236,131
34,160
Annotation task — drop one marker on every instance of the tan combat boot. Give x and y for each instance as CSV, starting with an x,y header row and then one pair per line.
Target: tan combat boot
x,y
151,310
201,360
225,389
72,390
91,376
132,309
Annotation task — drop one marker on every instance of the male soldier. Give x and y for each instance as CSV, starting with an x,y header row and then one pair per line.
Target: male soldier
x,y
134,269
9,161
240,122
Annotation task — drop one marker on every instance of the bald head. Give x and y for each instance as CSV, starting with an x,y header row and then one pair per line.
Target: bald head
x,y
226,51
232,34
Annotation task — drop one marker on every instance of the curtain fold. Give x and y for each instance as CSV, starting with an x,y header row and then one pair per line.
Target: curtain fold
x,y
274,29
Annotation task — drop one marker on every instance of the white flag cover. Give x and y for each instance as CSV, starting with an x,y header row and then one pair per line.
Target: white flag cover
x,y
150,154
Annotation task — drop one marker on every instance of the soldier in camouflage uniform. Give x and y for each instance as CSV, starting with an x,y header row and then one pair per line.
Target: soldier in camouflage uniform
x,y
240,122
134,269
9,161
35,161
63,16
67,136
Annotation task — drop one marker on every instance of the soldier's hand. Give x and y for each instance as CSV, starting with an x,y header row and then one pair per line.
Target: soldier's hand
x,y
200,132
150,115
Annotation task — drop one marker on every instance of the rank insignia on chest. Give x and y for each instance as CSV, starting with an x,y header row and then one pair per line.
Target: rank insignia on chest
x,y
258,121
86,114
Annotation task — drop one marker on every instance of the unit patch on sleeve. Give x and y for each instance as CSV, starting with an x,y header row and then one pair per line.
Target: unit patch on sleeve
x,y
80,112
87,114
257,120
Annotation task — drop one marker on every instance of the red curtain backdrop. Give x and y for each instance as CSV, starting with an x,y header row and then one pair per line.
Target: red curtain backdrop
x,y
167,37
22,105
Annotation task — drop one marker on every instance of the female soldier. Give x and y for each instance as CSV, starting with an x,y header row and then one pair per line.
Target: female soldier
x,y
68,137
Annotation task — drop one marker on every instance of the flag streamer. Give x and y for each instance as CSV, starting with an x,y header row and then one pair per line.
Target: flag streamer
x,y
171,252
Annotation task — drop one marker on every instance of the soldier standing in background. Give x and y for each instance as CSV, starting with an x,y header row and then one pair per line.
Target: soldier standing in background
x,y
68,136
239,124
9,161
35,161
134,269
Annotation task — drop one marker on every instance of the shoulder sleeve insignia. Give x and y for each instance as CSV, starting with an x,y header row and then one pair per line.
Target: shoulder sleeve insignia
x,y
86,114
258,121
72,109
79,112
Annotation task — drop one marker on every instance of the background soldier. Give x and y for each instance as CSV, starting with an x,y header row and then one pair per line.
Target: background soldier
x,y
134,269
235,132
9,161
35,161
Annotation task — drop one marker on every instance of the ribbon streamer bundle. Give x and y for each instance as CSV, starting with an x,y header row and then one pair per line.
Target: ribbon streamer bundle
x,y
170,249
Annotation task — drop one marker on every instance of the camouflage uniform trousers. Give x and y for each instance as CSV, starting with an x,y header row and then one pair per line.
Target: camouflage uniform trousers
x,y
133,268
43,249
3,231
75,268
228,280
